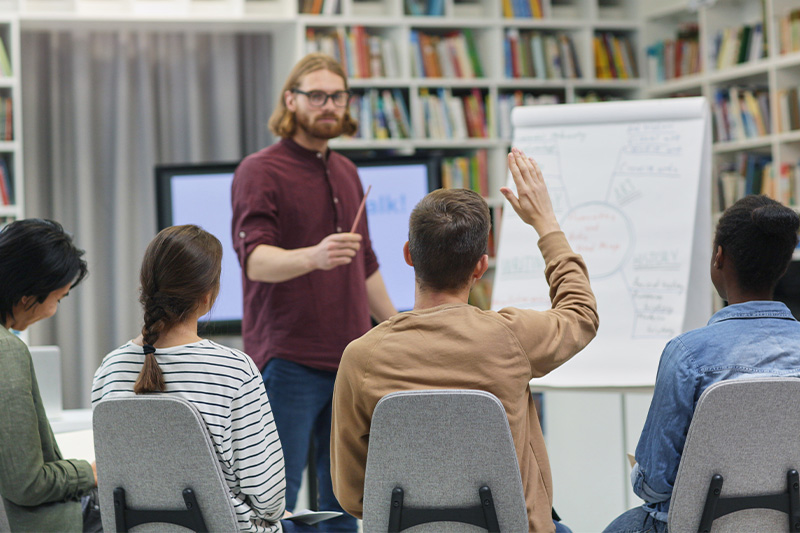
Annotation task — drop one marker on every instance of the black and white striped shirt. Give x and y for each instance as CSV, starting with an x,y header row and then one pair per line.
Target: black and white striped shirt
x,y
226,387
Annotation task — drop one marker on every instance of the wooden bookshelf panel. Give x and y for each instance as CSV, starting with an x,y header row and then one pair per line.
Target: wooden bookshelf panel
x,y
583,95
619,10
476,9
374,8
569,9
270,8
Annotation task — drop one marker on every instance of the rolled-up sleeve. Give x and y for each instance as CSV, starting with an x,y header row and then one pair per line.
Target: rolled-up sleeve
x,y
255,209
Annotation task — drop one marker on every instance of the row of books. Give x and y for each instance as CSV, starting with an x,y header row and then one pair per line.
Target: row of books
x,y
508,101
789,31
789,109
318,7
741,113
467,172
453,55
741,177
734,46
673,58
757,174
5,61
614,57
448,116
425,7
6,184
533,54
6,118
361,55
523,9
381,114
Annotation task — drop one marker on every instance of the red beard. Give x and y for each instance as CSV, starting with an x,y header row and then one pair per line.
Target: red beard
x,y
320,130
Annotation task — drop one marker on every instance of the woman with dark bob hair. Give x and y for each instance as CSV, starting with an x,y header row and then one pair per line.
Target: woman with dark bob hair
x,y
752,336
41,491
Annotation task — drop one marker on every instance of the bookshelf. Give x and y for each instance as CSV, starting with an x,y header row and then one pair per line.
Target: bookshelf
x,y
474,31
11,182
733,62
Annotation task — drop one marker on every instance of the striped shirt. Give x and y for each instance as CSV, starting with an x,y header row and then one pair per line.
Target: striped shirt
x,y
226,388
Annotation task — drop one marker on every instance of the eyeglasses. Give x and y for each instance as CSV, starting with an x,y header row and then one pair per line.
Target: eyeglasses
x,y
320,98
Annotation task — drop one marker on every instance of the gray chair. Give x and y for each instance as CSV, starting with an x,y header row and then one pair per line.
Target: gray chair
x,y
157,467
738,470
432,455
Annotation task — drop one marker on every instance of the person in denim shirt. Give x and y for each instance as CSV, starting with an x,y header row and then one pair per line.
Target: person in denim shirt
x,y
752,336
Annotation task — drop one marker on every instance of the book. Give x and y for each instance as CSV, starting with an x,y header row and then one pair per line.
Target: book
x,y
402,109
5,61
472,50
418,66
7,183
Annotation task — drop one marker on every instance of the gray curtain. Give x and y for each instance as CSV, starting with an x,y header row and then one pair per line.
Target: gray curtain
x,y
100,110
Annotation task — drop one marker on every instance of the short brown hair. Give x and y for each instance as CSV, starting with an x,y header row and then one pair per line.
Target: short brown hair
x,y
448,234
282,122
181,265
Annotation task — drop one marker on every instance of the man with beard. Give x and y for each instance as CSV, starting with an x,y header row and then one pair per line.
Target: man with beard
x,y
310,285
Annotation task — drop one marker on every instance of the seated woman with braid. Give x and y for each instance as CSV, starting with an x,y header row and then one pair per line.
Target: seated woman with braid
x,y
179,282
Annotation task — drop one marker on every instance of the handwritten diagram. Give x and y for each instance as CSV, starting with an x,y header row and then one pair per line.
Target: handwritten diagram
x,y
625,195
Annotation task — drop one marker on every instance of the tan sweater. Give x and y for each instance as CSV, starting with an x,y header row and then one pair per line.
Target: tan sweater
x,y
462,347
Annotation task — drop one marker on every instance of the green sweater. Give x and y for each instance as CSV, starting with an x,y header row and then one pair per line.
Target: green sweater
x,y
41,491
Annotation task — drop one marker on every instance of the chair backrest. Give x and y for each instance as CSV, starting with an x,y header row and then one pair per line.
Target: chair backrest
x,y
154,446
747,431
440,447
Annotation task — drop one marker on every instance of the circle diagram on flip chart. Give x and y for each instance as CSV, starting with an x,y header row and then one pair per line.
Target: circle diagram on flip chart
x,y
628,181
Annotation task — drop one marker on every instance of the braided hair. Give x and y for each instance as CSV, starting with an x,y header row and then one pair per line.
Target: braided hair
x,y
180,267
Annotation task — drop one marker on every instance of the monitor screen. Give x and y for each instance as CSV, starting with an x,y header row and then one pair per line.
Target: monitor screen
x,y
201,195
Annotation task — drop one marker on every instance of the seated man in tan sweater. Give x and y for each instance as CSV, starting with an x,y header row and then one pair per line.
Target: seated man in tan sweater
x,y
446,343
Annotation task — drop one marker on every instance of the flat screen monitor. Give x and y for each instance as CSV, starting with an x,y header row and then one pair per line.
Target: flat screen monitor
x,y
201,195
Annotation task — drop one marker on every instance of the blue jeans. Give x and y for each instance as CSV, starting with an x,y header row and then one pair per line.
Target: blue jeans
x,y
301,405
636,520
561,528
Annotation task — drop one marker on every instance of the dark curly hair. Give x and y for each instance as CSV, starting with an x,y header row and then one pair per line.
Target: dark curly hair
x,y
759,236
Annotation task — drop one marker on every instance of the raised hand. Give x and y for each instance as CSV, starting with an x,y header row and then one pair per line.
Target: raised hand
x,y
532,202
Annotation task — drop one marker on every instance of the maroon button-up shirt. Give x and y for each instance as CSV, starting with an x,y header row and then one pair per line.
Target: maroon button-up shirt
x,y
291,197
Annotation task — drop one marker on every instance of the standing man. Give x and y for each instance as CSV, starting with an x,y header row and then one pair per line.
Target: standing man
x,y
445,343
310,285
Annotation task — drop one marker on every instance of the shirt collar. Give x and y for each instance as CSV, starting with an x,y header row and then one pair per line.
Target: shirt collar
x,y
301,151
754,309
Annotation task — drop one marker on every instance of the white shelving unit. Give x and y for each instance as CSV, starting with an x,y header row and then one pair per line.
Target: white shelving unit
x,y
11,150
774,72
282,18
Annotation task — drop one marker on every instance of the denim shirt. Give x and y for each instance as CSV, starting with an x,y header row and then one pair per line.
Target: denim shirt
x,y
758,338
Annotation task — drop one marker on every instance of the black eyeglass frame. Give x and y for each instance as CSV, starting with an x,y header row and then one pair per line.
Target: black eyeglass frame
x,y
311,94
